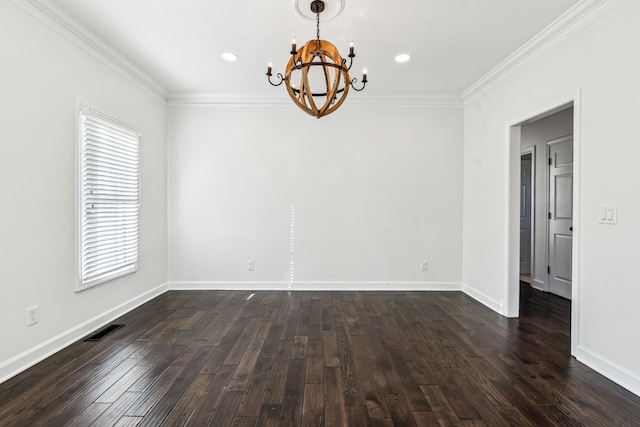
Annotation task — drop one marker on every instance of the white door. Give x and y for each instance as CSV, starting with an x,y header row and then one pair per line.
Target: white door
x,y
560,215
525,214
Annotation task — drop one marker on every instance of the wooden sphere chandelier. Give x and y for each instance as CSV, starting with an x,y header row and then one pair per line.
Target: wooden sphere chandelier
x,y
318,62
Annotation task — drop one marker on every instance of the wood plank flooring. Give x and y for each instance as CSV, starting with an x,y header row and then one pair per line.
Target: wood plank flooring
x,y
230,358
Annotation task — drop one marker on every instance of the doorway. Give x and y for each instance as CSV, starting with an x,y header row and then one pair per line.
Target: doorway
x,y
527,192
546,126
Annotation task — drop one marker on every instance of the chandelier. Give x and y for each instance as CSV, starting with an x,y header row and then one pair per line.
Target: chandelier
x,y
331,73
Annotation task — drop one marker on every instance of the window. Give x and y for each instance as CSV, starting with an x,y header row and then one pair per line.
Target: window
x,y
110,206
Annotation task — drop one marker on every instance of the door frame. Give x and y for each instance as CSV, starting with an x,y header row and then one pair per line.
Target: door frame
x,y
532,150
511,293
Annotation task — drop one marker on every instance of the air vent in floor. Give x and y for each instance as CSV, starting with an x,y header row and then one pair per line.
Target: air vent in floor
x,y
103,332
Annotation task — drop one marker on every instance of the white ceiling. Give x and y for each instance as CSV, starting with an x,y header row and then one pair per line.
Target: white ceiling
x,y
179,42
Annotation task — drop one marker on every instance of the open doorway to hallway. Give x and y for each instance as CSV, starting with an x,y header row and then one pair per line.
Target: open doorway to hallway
x,y
546,202
542,206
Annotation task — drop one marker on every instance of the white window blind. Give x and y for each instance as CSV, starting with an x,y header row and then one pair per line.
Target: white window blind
x,y
110,199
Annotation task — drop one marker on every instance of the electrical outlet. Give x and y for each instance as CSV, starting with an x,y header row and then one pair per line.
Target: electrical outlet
x,y
424,265
250,265
33,315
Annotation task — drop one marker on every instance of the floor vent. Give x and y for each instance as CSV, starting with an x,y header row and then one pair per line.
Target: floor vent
x,y
103,333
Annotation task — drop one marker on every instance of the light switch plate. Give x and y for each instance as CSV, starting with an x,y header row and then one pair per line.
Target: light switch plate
x,y
608,215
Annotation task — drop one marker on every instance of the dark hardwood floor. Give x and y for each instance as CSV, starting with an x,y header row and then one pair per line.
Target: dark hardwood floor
x,y
221,358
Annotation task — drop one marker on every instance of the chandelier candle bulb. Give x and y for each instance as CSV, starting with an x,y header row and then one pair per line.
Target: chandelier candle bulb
x,y
364,75
351,49
294,49
269,67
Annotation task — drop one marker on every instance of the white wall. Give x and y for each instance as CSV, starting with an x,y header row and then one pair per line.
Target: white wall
x,y
375,190
537,134
602,62
42,77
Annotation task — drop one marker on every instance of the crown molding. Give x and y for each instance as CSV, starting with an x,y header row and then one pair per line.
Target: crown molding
x,y
218,99
224,99
78,34
572,21
575,19
448,100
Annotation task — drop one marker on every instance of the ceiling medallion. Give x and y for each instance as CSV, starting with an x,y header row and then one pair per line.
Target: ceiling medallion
x,y
332,8
318,62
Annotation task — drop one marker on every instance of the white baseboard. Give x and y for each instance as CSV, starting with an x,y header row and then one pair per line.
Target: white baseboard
x,y
537,284
377,286
228,286
494,305
26,359
318,286
609,369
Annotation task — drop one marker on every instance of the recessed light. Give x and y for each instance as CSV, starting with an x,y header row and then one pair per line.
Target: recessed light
x,y
231,57
403,57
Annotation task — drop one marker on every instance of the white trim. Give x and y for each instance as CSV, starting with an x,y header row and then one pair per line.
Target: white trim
x,y
512,285
609,369
482,298
531,150
575,19
538,284
547,207
72,30
317,286
575,248
227,286
216,99
30,357
377,286
572,21
511,305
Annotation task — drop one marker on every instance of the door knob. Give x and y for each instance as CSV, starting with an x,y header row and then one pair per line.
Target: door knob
x,y
570,228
